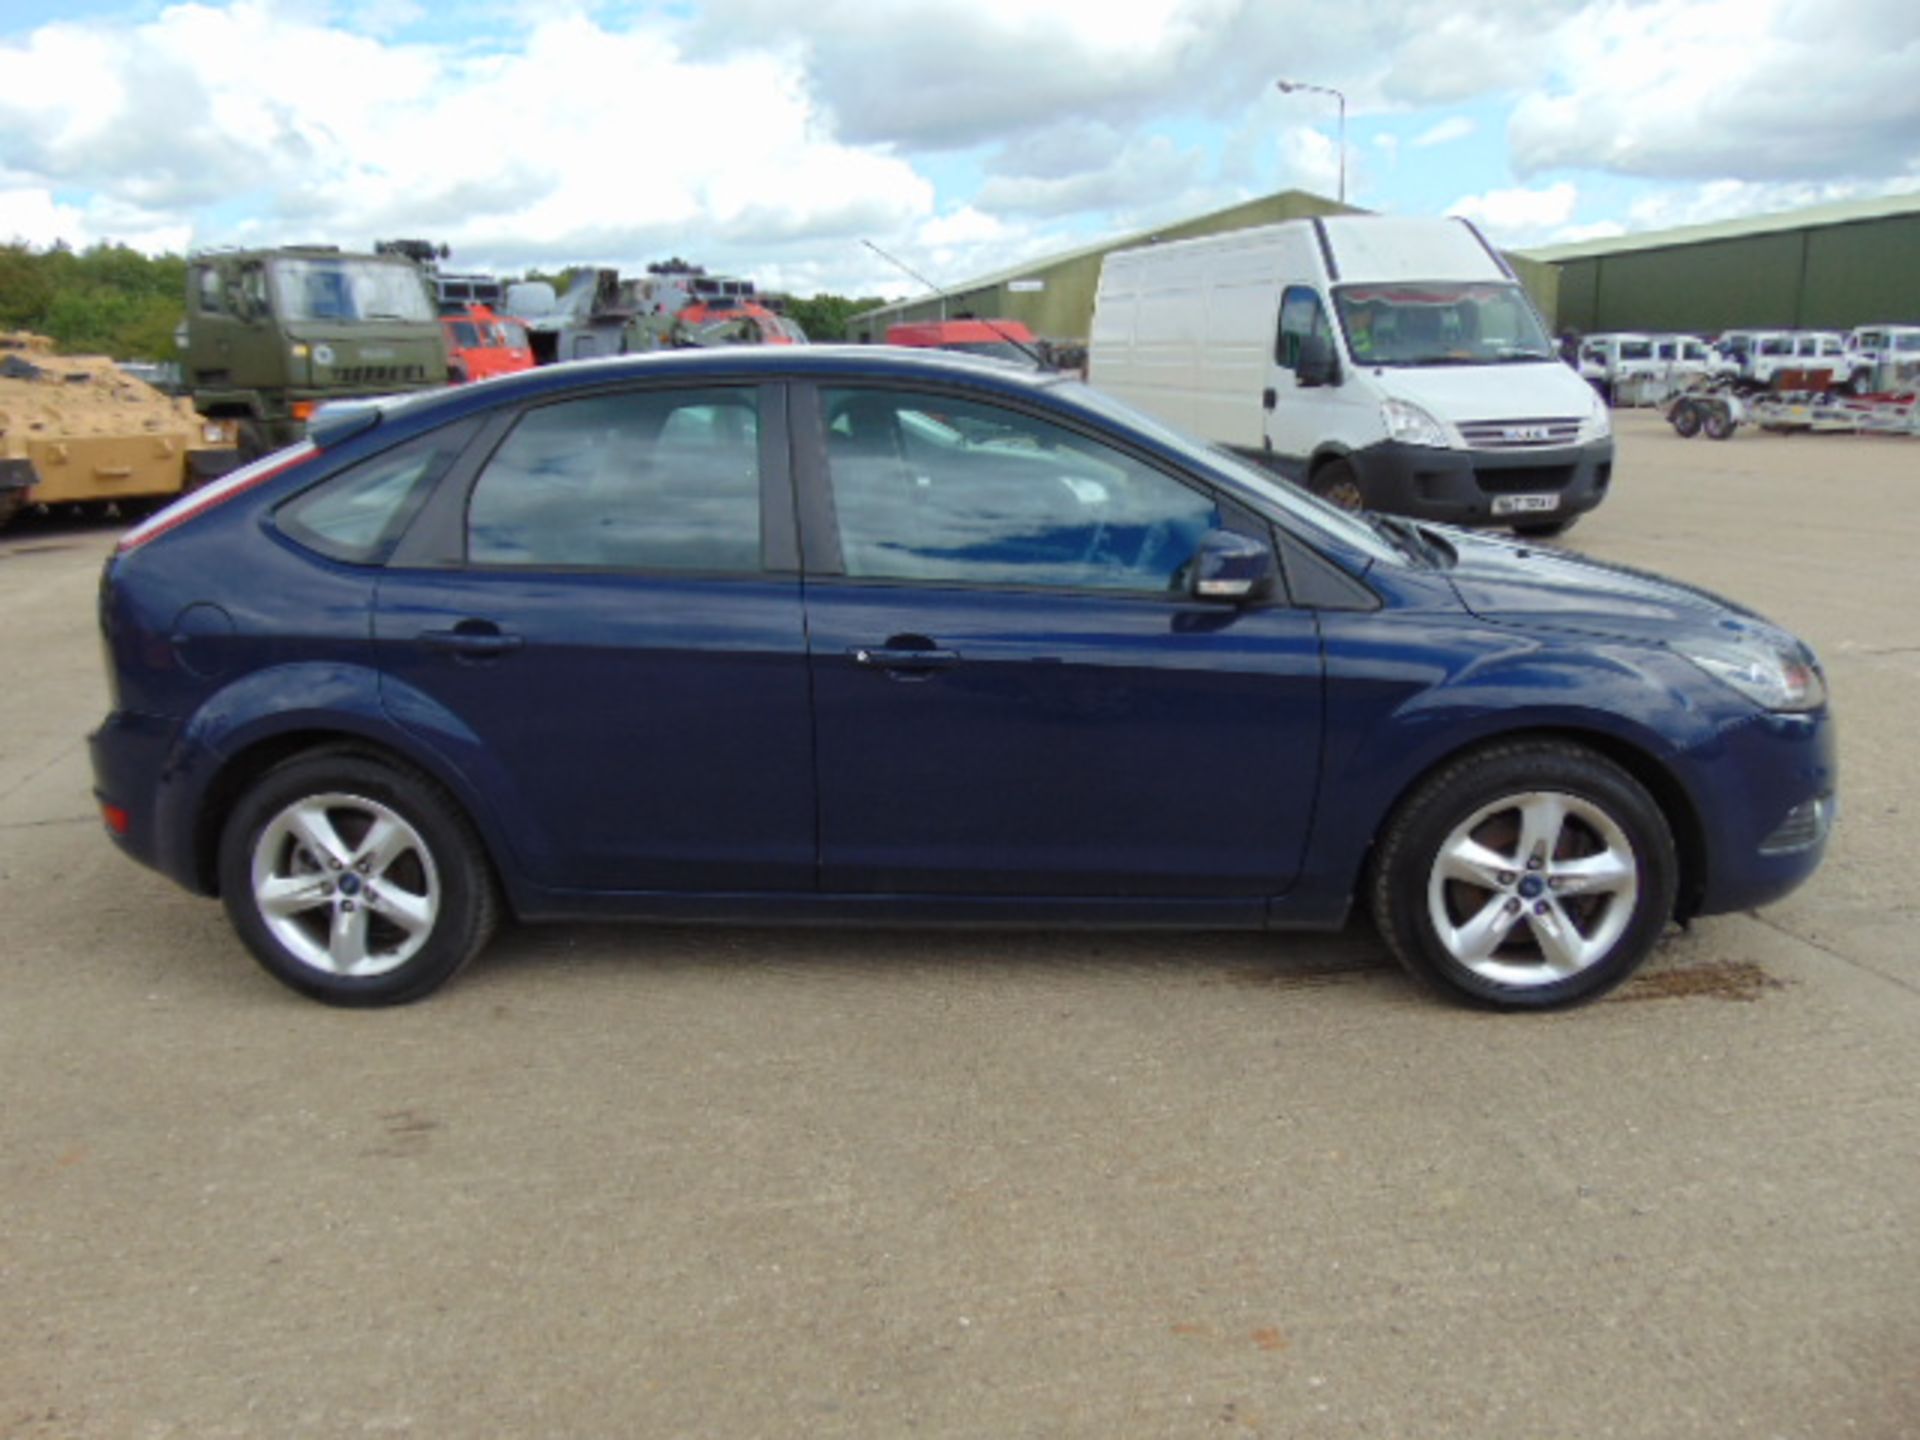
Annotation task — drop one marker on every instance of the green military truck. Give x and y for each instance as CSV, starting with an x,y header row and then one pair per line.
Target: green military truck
x,y
270,335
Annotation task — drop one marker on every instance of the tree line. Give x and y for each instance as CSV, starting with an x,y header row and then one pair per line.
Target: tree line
x,y
107,300
113,300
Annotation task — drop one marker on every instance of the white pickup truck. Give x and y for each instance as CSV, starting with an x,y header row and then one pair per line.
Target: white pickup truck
x,y
1881,357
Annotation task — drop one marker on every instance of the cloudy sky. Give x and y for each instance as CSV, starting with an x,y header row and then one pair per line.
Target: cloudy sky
x,y
769,137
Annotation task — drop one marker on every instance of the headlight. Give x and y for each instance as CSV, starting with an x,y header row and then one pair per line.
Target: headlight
x,y
1598,425
1411,425
1774,676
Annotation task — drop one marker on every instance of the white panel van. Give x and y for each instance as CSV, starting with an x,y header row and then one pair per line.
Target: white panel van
x,y
1389,363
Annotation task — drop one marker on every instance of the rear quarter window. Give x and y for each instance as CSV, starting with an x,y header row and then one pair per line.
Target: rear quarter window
x,y
360,514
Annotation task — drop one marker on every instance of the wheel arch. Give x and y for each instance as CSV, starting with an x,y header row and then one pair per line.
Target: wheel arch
x,y
1653,774
1330,453
238,772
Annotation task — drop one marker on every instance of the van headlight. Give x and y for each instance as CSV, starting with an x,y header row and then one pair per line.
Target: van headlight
x,y
1775,676
1411,425
1598,425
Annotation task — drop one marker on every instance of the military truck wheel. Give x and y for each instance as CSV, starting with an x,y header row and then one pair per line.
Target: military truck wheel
x,y
251,442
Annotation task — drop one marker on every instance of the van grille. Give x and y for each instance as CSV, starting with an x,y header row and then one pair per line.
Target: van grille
x,y
1518,434
1522,479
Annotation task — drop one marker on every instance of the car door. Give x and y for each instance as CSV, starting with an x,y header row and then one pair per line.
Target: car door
x,y
600,625
1014,693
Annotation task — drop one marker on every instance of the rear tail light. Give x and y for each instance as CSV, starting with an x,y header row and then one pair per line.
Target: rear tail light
x,y
117,820
219,492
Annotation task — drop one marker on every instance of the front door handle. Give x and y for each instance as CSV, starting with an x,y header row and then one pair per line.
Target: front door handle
x,y
472,640
880,657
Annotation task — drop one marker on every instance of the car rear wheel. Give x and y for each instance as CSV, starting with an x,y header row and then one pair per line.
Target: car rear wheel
x,y
1526,875
1719,423
1685,420
355,881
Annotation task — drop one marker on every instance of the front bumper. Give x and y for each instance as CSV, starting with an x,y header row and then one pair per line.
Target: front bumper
x,y
1767,792
1467,487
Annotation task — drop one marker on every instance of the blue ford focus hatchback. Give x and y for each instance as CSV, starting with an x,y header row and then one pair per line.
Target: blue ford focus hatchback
x,y
870,635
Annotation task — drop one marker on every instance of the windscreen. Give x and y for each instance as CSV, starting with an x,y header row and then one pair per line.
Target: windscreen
x,y
1440,323
328,288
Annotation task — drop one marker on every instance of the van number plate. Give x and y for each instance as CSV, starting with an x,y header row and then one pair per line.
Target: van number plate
x,y
1524,504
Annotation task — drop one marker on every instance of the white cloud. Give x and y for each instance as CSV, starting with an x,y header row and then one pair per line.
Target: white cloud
x,y
1598,230
1129,175
1519,216
767,137
631,149
1729,89
1310,160
1454,127
1731,199
32,216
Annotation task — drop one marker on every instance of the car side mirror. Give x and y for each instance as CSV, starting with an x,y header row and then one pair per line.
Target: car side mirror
x,y
1231,567
1318,365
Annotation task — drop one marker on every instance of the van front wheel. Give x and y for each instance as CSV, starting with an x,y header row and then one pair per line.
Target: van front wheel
x,y
1336,483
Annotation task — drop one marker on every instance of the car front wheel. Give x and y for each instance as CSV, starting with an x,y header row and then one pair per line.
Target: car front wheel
x,y
354,881
1526,875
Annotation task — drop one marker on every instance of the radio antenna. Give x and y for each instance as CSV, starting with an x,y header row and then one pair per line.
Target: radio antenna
x,y
941,294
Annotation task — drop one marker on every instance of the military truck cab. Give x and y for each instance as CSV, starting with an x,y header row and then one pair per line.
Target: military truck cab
x,y
273,334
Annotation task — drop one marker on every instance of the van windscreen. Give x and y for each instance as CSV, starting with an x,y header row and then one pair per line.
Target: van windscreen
x,y
1440,323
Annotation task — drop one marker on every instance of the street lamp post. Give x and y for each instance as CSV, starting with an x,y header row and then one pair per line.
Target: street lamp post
x,y
1287,87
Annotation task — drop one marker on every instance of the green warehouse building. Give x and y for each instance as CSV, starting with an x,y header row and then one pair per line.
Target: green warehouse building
x,y
1054,297
1829,267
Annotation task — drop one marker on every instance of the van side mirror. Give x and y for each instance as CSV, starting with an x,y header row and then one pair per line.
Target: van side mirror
x,y
1318,364
1231,567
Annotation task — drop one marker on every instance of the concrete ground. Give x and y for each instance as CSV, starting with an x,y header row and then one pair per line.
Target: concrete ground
x,y
645,1182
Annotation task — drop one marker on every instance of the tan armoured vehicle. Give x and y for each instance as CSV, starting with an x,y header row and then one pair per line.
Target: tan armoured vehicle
x,y
75,430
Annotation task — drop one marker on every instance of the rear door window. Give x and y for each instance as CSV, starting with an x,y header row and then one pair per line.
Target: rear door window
x,y
647,480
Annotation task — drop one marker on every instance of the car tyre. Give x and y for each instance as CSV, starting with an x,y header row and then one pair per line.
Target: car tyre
x,y
354,880
1337,484
1686,420
1525,875
1719,423
250,441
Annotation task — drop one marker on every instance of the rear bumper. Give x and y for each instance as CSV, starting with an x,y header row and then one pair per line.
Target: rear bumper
x,y
136,769
1467,487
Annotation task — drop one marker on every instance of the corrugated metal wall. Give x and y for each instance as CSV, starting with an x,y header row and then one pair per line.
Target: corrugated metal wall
x,y
1830,277
1063,310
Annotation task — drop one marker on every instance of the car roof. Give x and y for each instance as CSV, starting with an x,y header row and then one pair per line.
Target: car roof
x,y
731,362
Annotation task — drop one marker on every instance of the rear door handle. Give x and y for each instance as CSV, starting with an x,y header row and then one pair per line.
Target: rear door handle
x,y
472,640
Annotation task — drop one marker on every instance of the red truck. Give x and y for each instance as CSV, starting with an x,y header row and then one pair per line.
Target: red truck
x,y
481,344
1001,339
